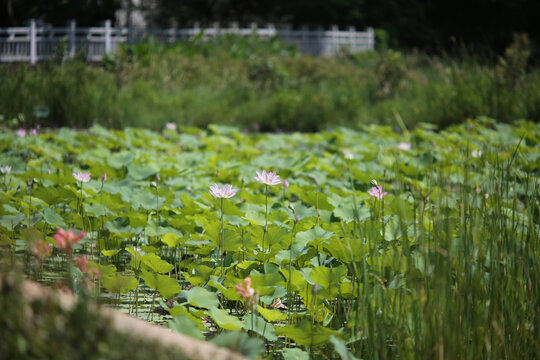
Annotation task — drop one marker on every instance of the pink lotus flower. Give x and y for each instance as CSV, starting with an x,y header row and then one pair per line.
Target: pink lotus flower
x,y
82,177
82,263
41,250
376,191
247,291
226,191
404,146
348,155
66,239
21,132
268,178
171,126
285,184
33,132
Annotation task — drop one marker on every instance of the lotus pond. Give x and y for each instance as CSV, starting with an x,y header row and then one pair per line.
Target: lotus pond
x,y
380,243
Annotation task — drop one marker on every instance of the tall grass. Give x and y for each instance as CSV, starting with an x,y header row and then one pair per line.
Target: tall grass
x,y
470,286
246,81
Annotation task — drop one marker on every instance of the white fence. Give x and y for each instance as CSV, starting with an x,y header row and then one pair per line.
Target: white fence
x,y
33,43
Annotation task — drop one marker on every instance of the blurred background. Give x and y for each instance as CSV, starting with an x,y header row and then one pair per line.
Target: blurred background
x,y
437,61
438,25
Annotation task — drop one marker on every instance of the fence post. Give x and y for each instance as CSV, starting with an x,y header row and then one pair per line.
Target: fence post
x,y
72,25
334,45
234,27
321,41
371,38
305,42
33,42
272,29
107,36
351,38
196,29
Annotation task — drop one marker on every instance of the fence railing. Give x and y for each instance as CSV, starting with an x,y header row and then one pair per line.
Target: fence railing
x,y
33,43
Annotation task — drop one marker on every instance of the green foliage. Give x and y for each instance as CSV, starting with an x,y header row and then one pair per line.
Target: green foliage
x,y
120,284
241,343
183,325
452,247
263,84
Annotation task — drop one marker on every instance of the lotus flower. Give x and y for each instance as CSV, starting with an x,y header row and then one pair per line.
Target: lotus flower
x,y
66,239
285,184
41,250
82,177
376,191
104,177
82,263
268,178
246,291
21,132
404,146
226,191
171,126
5,169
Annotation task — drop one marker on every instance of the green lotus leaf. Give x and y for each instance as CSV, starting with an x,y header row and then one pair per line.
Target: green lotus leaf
x,y
201,297
201,275
327,276
140,172
104,270
10,221
156,264
95,209
120,284
313,235
224,320
53,218
165,285
184,325
307,334
144,199
119,226
271,315
258,325
347,250
171,240
295,354
50,195
110,252
120,159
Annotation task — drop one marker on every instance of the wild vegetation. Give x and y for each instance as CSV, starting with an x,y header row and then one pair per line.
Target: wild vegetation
x,y
378,243
266,85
